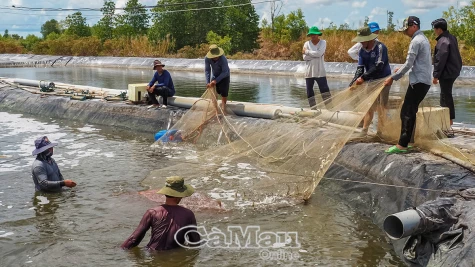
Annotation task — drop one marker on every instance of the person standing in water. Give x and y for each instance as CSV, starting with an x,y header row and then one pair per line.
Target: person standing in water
x,y
45,172
166,220
313,53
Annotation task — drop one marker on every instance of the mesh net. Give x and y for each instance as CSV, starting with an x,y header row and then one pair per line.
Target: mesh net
x,y
250,161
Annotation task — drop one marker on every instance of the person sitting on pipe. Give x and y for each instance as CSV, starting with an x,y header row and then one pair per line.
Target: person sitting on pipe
x,y
45,171
164,88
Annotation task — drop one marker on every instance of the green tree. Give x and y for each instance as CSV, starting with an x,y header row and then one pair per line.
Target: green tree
x,y
296,24
30,41
6,35
344,27
241,23
223,42
461,22
391,25
134,21
75,24
104,27
186,28
286,28
49,27
366,20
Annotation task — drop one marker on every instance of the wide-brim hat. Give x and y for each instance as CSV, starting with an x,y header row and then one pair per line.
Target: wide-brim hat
x,y
42,144
214,51
157,63
175,187
364,35
314,31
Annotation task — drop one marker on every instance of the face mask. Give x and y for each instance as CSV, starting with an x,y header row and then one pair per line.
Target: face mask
x,y
48,153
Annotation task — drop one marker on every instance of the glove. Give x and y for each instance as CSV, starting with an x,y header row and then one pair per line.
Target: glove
x,y
359,72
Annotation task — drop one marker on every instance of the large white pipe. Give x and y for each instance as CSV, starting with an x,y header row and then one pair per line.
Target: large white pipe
x,y
402,224
238,108
34,83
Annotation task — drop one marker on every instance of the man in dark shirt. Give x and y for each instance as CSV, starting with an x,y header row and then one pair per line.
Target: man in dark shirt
x,y
220,76
45,171
447,64
164,88
166,220
373,63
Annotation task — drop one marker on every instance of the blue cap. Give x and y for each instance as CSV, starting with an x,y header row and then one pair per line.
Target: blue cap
x,y
373,26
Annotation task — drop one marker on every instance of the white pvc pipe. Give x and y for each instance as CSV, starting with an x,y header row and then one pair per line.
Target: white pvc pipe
x,y
402,224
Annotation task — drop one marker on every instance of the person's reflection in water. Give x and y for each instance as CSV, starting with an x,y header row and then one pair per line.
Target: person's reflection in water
x,y
169,258
45,205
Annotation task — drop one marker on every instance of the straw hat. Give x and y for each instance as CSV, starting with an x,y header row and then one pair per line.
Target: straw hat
x,y
175,187
214,51
364,35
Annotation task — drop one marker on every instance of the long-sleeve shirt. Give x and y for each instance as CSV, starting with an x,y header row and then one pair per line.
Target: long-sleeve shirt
x,y
165,221
46,175
164,79
418,61
314,59
354,51
375,62
447,59
219,69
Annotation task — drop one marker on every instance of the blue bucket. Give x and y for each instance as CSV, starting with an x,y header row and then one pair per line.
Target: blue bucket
x,y
160,134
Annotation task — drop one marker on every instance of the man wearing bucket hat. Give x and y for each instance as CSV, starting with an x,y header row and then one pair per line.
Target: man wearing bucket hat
x,y
313,53
166,220
353,52
373,63
217,72
45,171
419,63
164,86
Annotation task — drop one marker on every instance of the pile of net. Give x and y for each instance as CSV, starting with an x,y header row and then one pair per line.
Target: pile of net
x,y
250,161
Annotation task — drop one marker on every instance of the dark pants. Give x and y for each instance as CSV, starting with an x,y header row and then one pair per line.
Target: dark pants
x,y
222,87
162,91
446,99
322,85
414,96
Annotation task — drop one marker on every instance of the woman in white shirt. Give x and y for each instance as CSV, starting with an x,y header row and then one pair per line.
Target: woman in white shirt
x,y
313,53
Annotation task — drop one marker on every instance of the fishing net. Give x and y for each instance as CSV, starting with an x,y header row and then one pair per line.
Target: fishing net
x,y
251,161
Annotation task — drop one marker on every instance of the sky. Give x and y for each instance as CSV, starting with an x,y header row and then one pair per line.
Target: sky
x,y
318,13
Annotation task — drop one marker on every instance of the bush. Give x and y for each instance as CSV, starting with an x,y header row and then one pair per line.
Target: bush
x,y
86,46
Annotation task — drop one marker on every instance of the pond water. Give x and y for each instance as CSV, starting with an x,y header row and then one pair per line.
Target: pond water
x,y
275,89
85,226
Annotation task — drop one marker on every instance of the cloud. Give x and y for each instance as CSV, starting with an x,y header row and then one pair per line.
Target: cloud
x,y
326,2
416,5
322,22
415,11
358,4
463,3
378,11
